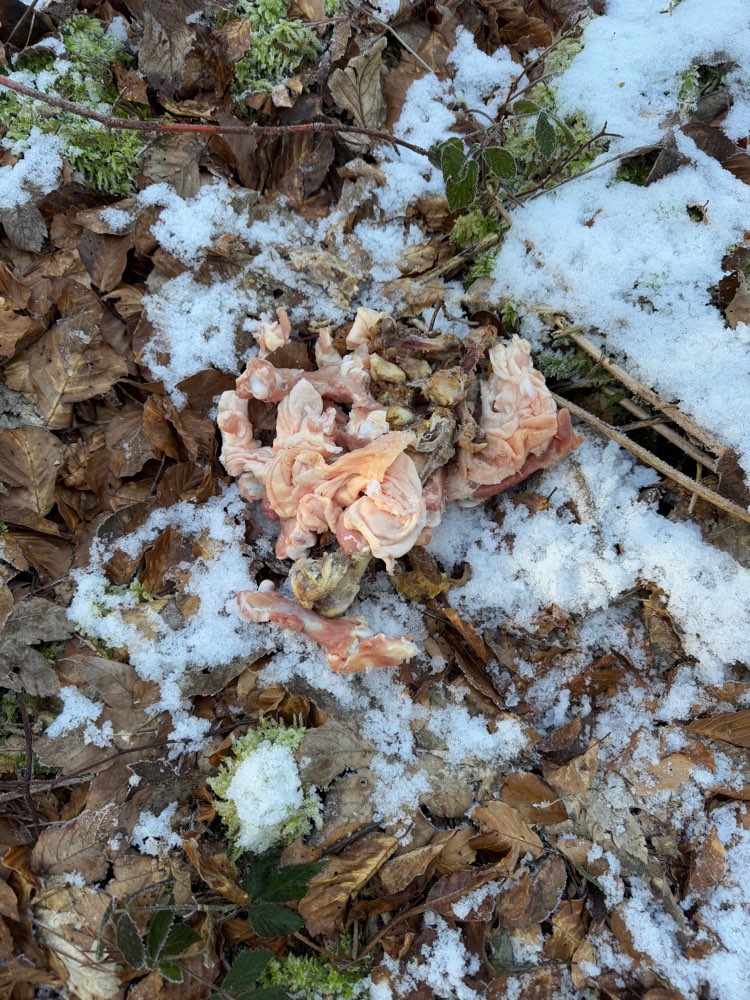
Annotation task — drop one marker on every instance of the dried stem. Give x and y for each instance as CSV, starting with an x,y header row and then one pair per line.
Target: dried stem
x,y
701,457
29,769
156,126
656,463
639,389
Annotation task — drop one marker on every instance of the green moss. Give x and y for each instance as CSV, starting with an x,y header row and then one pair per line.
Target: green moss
x,y
568,363
636,169
311,977
280,45
3,528
471,227
107,161
50,650
298,823
482,267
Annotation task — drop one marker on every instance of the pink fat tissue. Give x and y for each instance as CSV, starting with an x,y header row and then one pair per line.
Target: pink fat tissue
x,y
336,467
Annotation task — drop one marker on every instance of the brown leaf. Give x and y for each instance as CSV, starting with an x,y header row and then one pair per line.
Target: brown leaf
x,y
738,310
51,557
236,37
504,832
731,727
569,926
358,89
331,749
706,865
533,896
216,871
32,621
331,889
76,846
535,801
450,888
69,364
399,872
128,447
105,257
29,460
456,854
574,778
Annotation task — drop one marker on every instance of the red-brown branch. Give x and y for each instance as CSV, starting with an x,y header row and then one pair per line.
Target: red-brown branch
x,y
157,126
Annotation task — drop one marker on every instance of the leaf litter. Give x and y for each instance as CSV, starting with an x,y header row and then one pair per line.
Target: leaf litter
x,y
549,798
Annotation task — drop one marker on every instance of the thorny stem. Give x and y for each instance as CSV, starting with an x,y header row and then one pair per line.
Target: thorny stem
x,y
157,126
656,463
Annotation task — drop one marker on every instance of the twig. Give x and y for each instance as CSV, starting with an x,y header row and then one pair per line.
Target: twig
x,y
29,12
701,457
656,463
158,126
29,769
669,409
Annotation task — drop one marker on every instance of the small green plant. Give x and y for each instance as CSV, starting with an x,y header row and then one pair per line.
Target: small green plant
x,y
313,977
568,363
635,169
107,161
166,943
270,886
282,807
280,45
3,528
471,227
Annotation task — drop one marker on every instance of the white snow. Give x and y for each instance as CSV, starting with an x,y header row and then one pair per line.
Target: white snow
x,y
153,833
77,711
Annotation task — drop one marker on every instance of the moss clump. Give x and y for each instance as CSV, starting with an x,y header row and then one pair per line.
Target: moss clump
x,y
311,977
284,821
471,227
568,363
280,45
636,169
107,161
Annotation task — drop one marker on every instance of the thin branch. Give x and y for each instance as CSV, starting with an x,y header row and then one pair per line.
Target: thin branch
x,y
29,769
700,457
656,463
641,390
384,24
157,126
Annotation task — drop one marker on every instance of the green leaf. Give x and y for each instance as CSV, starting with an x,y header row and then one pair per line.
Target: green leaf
x,y
273,919
501,163
267,993
288,882
171,971
460,193
179,939
452,158
129,942
545,135
258,875
525,107
157,934
247,969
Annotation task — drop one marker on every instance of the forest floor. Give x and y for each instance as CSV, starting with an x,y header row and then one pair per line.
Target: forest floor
x,y
549,800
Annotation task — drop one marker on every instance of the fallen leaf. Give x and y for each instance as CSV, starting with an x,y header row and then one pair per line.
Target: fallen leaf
x,y
29,460
707,864
399,872
731,727
569,926
535,801
32,621
358,89
216,871
503,831
76,846
533,895
574,778
345,874
331,749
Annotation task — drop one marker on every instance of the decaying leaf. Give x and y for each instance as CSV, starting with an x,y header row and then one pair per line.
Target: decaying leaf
x,y
29,460
504,832
76,846
331,889
358,89
32,621
533,798
331,749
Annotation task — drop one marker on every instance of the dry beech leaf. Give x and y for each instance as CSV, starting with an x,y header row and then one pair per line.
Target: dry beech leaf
x,y
399,872
451,888
74,916
569,925
76,846
535,801
32,621
533,896
330,749
456,854
29,460
329,892
69,364
358,89
216,871
731,727
706,865
504,832
574,778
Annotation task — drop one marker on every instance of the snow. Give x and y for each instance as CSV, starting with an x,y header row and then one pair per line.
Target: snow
x,y
77,711
35,174
445,964
267,791
153,833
